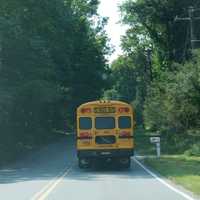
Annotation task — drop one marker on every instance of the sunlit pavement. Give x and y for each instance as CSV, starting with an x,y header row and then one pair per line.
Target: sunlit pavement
x,y
52,173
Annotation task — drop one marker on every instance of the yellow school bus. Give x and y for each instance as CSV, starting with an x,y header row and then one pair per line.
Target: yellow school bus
x,y
105,131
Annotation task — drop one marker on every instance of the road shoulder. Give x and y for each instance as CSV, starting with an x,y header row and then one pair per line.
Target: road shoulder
x,y
178,188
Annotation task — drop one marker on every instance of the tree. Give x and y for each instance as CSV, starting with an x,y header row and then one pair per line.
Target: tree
x,y
173,101
52,59
157,19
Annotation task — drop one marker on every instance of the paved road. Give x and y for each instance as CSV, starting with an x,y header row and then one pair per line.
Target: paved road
x,y
52,174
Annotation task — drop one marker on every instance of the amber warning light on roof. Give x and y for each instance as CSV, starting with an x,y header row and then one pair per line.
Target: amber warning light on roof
x,y
125,109
86,110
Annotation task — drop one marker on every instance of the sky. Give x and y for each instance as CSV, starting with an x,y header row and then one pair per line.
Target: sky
x,y
109,8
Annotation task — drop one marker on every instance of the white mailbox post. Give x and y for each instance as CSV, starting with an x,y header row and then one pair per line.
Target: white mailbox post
x,y
156,141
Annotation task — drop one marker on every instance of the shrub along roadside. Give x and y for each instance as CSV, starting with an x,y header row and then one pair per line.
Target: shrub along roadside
x,y
170,143
172,103
183,169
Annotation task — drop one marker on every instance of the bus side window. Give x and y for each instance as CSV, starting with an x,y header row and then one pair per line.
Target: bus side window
x,y
85,123
124,122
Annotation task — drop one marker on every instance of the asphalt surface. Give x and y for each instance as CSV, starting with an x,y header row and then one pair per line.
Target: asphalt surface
x,y
52,173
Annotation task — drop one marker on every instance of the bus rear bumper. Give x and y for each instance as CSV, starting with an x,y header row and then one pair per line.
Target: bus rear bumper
x,y
106,153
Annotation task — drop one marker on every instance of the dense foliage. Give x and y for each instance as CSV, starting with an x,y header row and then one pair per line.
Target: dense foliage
x,y
173,101
165,86
50,53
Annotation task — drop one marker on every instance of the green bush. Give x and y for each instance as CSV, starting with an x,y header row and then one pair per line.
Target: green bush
x,y
172,103
194,150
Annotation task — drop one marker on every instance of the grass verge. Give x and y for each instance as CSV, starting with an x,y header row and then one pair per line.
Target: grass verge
x,y
181,169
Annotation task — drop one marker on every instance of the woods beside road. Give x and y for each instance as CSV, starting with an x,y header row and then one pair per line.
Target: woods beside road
x,y
52,58
159,72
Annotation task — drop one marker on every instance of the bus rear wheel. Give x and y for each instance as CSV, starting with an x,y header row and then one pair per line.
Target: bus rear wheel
x,y
125,162
84,163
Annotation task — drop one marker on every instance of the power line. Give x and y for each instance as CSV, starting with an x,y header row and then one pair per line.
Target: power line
x,y
196,9
191,19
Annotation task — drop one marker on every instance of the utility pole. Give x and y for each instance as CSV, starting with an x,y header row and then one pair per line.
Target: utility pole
x,y
191,16
191,19
149,63
0,51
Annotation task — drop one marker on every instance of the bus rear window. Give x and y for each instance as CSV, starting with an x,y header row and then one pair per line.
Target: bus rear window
x,y
85,123
105,123
124,122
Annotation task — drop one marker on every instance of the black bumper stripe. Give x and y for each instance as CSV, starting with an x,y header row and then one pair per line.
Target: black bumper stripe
x,y
127,137
121,137
105,153
83,138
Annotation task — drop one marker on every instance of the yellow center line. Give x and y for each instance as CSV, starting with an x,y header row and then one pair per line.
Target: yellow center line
x,y
47,189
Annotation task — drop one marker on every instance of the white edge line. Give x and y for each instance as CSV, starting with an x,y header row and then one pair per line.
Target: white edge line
x,y
50,183
162,181
42,190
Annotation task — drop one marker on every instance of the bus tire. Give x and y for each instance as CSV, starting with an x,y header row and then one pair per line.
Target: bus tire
x,y
83,163
125,162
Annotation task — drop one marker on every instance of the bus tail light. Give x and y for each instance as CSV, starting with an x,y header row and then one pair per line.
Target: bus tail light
x,y
125,134
84,135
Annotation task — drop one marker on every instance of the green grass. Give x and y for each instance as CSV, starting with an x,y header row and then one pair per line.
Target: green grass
x,y
181,169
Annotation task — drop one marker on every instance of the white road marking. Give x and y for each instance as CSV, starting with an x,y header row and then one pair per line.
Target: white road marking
x,y
162,181
47,189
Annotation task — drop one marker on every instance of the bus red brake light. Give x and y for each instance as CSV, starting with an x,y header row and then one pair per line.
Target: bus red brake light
x,y
125,134
85,135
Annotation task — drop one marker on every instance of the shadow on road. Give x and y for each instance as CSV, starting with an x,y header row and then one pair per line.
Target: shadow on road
x,y
44,164
102,172
48,162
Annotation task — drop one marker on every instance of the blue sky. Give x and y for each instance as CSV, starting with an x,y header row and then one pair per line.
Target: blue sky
x,y
109,8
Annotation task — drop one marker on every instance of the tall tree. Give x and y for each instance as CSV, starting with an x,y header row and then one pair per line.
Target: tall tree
x,y
52,59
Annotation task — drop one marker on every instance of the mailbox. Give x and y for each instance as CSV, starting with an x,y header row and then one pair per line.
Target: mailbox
x,y
155,139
